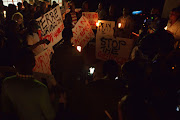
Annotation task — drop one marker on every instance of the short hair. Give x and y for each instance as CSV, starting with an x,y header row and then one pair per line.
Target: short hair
x,y
19,3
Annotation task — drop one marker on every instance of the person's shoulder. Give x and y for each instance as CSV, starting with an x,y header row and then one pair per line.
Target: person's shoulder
x,y
8,79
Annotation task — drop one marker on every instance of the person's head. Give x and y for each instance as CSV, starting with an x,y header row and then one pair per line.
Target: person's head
x,y
110,69
72,6
54,3
37,8
19,4
112,10
33,27
125,11
85,6
18,17
67,34
25,61
174,14
100,6
25,3
43,6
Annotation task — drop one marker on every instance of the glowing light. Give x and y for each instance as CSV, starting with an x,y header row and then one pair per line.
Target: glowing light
x,y
97,24
119,25
173,68
116,78
136,12
165,28
4,14
79,48
91,69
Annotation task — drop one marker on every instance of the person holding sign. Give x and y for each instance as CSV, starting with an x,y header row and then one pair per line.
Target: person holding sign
x,y
125,25
33,39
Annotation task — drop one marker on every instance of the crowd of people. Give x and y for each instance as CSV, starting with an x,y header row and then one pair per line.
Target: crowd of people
x,y
147,87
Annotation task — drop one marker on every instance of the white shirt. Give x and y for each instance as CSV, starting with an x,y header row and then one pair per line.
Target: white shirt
x,y
33,39
174,29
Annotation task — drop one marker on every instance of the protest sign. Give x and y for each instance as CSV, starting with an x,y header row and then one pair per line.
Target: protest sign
x,y
110,48
105,28
82,33
92,18
43,62
51,26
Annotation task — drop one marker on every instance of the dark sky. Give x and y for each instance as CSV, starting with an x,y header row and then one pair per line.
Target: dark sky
x,y
132,4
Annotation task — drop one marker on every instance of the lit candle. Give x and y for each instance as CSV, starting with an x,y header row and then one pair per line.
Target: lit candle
x,y
4,14
165,28
79,48
97,24
119,25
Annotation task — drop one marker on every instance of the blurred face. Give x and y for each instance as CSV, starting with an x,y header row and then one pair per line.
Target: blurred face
x,y
174,16
100,6
20,21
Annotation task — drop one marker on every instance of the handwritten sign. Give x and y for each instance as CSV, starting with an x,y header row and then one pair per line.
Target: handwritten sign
x,y
43,62
51,26
105,28
92,18
82,33
111,48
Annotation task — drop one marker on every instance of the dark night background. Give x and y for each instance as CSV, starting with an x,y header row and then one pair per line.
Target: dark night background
x,y
132,4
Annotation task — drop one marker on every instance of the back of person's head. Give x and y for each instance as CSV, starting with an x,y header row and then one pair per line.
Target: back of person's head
x,y
11,10
19,4
72,6
18,17
25,61
110,69
32,27
25,3
54,2
85,5
43,5
67,34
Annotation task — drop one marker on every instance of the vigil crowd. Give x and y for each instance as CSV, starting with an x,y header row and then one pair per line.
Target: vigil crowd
x,y
81,87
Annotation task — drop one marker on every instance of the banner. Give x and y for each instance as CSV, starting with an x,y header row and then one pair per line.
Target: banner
x,y
51,26
82,33
110,48
92,18
105,28
43,62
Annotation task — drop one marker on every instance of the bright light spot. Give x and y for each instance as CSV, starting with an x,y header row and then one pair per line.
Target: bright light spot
x,y
116,78
165,28
136,12
79,48
4,14
119,25
173,68
97,24
177,109
91,69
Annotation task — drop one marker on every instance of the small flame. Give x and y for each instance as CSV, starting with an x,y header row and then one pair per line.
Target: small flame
x,y
119,25
97,24
4,14
165,28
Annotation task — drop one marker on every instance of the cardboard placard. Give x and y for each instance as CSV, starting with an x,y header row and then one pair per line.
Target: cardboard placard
x,y
51,26
105,28
43,62
110,48
82,33
92,18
